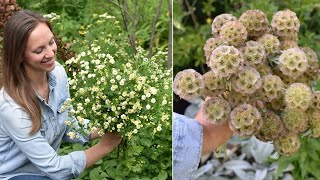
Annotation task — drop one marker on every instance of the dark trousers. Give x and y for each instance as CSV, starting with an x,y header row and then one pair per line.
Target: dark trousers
x,y
30,177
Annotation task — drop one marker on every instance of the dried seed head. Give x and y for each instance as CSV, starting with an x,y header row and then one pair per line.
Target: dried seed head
x,y
295,120
233,33
255,21
225,60
293,62
271,128
247,80
298,97
245,120
219,21
287,144
211,44
213,84
216,110
271,87
271,43
314,121
285,23
188,84
253,53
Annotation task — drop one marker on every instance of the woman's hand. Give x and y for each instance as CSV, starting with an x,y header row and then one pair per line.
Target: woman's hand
x,y
213,135
110,140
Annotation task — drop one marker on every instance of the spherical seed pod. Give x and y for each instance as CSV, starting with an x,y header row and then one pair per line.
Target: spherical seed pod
x,y
313,66
316,100
188,84
255,21
247,80
263,69
271,128
298,97
295,121
235,99
287,144
213,84
225,60
271,87
245,120
285,23
233,33
293,62
219,21
287,44
211,44
216,110
271,43
253,53
314,121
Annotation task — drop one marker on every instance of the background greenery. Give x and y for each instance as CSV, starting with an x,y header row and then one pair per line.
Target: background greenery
x,y
145,156
192,27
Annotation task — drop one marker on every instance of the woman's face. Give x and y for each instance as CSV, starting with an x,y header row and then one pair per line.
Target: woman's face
x,y
41,49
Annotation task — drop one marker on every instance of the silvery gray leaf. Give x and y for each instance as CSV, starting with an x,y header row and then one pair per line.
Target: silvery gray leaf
x,y
287,176
260,150
244,175
237,165
260,174
204,169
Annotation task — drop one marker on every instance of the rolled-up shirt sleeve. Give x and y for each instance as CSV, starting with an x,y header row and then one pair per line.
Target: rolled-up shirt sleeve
x,y
17,124
187,147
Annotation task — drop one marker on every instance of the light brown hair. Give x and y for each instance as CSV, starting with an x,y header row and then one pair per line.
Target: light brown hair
x,y
15,80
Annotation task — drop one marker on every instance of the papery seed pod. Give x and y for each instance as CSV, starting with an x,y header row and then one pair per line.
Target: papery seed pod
x,y
211,44
263,69
285,23
287,144
233,33
316,100
313,66
287,44
216,110
271,87
245,120
255,21
219,21
271,43
213,84
293,62
277,105
295,121
235,99
298,96
253,53
271,128
225,60
246,81
314,121
188,84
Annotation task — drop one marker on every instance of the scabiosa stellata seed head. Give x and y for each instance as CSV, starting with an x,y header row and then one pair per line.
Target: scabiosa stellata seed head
x,y
216,110
188,84
233,33
225,60
255,21
298,96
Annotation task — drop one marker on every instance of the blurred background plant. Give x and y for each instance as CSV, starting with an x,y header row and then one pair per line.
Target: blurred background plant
x,y
132,32
192,27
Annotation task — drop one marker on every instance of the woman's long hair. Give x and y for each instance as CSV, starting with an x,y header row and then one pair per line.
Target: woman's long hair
x,y
15,80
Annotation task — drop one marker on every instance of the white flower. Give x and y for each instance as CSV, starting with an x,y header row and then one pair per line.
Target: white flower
x,y
132,76
112,81
128,65
153,100
71,135
113,87
135,131
118,77
164,102
87,100
159,128
153,90
114,72
119,125
148,94
83,54
148,106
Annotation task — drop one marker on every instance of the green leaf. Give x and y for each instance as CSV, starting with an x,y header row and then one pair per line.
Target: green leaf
x,y
163,175
94,174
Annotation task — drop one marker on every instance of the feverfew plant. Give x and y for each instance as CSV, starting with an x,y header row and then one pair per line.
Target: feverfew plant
x,y
119,91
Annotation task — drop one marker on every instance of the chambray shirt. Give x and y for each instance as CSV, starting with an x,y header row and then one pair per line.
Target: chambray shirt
x,y
25,154
187,147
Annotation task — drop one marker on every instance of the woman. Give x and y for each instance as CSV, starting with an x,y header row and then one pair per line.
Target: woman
x,y
31,120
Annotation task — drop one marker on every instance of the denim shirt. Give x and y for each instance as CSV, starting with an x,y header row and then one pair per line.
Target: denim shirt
x,y
187,147
22,153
